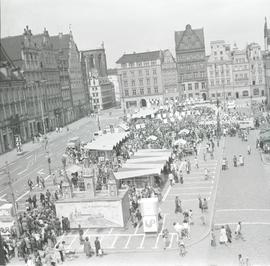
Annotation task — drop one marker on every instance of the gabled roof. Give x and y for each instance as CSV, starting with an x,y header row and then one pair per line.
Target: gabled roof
x,y
13,46
60,41
139,57
179,35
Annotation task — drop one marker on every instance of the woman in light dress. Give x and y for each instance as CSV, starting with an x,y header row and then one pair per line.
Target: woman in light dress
x,y
223,236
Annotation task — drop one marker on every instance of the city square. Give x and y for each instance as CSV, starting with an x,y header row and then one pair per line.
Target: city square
x,y
157,156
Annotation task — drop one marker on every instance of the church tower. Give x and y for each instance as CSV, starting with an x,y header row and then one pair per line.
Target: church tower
x,y
266,36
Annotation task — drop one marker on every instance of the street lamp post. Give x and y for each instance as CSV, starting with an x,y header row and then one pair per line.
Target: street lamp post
x,y
13,201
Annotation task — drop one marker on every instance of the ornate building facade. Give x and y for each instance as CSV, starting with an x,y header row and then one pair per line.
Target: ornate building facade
x,y
140,78
169,77
191,63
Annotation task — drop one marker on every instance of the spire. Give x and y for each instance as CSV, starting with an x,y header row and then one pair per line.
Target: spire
x,y
265,27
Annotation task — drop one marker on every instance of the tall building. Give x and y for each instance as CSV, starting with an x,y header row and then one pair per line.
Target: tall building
x,y
169,77
140,78
13,104
113,77
256,74
69,64
266,36
266,60
100,88
220,71
25,54
191,63
241,73
50,80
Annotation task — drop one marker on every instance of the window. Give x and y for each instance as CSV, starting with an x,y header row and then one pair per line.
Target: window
x,y
155,81
140,72
149,90
132,73
153,63
148,81
146,63
124,74
222,81
156,89
131,64
154,71
147,72
134,92
213,95
253,82
183,87
212,83
142,91
203,85
139,64
256,91
123,65
190,95
229,94
133,83
245,93
217,82
141,82
218,94
196,86
228,81
189,86
125,83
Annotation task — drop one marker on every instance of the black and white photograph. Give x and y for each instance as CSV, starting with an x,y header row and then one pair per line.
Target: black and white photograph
x,y
135,132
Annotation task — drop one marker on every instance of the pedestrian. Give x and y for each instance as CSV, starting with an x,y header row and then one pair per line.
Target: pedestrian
x,y
213,238
181,177
38,181
61,249
200,203
206,174
98,247
165,236
80,234
30,184
171,179
241,260
248,150
196,162
87,247
178,207
241,160
238,231
190,217
229,233
178,228
234,161
223,236
204,205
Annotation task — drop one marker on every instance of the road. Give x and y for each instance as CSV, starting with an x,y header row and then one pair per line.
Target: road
x,y
34,162
243,195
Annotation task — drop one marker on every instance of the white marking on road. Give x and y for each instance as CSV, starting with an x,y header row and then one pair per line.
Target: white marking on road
x,y
192,199
198,182
72,241
192,193
126,246
166,193
114,241
22,171
40,172
162,228
137,228
244,223
183,188
28,157
110,232
14,170
3,196
171,240
245,210
142,242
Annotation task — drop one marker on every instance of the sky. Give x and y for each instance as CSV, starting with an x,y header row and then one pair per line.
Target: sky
x,y
126,26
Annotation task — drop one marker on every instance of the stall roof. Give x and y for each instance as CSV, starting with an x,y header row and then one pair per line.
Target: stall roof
x,y
144,162
107,141
144,112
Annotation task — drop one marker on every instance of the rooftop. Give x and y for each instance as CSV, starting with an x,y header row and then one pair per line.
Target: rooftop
x,y
139,57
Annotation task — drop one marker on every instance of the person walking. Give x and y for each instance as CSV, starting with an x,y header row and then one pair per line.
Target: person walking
x,y
223,236
238,231
181,177
249,150
87,247
80,234
213,238
229,233
165,236
196,162
98,247
178,207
